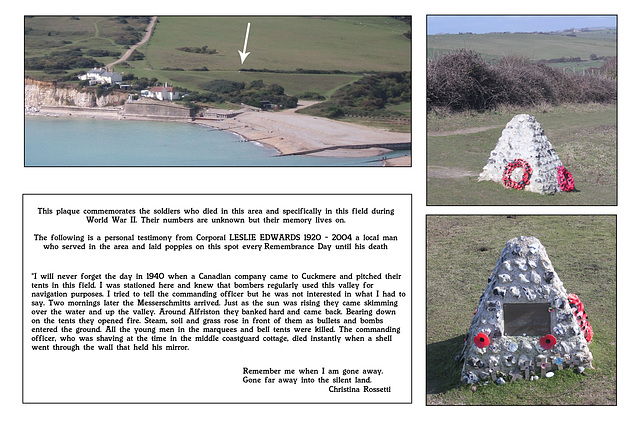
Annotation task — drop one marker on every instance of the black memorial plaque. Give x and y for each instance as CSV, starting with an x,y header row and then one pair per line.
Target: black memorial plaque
x,y
527,319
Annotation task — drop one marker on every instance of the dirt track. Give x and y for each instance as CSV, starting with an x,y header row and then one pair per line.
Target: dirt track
x,y
462,131
145,39
448,173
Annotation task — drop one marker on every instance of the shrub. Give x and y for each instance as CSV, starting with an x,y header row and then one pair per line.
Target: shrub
x,y
101,52
201,50
464,81
312,95
136,56
252,94
335,112
61,60
610,68
365,97
223,86
291,102
524,83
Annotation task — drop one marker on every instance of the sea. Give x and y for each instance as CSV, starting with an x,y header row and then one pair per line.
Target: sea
x,y
61,141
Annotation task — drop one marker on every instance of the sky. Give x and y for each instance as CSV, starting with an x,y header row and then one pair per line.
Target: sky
x,y
525,23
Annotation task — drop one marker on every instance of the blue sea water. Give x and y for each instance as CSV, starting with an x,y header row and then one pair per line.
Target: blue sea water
x,y
57,141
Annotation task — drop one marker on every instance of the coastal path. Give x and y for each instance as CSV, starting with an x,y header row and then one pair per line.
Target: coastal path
x,y
146,37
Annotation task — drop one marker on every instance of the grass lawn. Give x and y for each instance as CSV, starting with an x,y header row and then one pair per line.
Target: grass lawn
x,y
583,136
282,43
276,43
461,254
533,46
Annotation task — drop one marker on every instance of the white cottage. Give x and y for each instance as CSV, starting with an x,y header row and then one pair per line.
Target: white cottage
x,y
101,76
162,92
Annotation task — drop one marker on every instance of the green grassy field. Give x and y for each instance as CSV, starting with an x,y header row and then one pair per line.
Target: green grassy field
x,y
277,43
583,136
530,45
282,43
461,254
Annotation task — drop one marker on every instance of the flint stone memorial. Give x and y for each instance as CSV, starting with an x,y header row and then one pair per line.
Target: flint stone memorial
x,y
526,323
524,159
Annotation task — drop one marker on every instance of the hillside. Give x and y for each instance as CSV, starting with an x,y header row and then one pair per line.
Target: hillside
x,y
297,46
535,46
310,57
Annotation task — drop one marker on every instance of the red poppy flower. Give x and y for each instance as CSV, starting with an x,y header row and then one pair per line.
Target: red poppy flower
x,y
481,340
547,341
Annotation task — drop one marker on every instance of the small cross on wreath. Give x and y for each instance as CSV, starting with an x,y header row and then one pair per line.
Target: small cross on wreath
x,y
526,174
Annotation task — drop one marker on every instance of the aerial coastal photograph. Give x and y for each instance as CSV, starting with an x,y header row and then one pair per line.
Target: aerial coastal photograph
x,y
217,91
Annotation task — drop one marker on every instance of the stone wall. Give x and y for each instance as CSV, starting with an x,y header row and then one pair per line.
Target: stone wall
x,y
213,113
156,110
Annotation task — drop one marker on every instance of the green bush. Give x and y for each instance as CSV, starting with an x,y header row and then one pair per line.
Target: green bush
x,y
312,95
239,92
61,60
367,96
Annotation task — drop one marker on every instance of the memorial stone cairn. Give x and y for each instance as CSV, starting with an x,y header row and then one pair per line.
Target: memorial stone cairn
x,y
524,159
526,326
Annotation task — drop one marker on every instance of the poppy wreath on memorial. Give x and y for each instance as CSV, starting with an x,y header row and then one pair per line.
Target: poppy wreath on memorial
x,y
565,179
526,174
577,307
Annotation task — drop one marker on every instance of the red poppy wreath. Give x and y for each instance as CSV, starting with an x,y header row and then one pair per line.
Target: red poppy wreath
x,y
526,174
565,179
577,307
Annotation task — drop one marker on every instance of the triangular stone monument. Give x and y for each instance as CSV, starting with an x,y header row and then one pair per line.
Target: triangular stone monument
x,y
526,323
523,145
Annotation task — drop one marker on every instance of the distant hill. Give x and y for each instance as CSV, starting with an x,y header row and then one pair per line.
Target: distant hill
x,y
597,43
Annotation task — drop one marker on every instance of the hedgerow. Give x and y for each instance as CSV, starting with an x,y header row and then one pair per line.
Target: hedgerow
x,y
465,81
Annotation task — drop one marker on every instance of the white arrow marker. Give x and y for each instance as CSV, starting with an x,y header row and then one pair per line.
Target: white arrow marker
x,y
244,53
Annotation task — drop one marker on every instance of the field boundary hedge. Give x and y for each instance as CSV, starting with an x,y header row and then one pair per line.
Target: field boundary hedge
x,y
463,80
